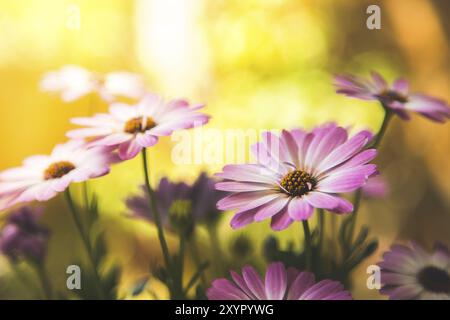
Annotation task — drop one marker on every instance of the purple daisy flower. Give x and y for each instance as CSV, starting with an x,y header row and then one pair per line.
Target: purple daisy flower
x,y
131,128
376,188
196,202
396,98
23,237
279,284
297,172
42,177
410,273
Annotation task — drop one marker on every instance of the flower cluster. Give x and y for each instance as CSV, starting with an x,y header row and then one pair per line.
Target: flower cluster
x,y
108,138
294,173
297,172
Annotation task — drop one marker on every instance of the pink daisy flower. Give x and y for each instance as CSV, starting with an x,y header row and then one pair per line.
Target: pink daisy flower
x,y
74,82
279,284
134,127
42,177
396,98
297,172
411,273
376,188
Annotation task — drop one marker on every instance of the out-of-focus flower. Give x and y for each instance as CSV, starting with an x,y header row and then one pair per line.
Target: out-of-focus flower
x,y
297,172
241,247
396,97
173,199
376,187
122,84
134,127
23,237
409,273
180,204
74,82
279,284
42,177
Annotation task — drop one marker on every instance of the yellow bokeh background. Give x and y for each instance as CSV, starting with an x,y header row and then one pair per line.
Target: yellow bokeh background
x,y
258,64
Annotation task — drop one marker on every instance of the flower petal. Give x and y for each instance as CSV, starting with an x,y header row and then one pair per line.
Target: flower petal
x,y
401,86
146,140
225,290
254,282
88,132
241,219
432,108
346,180
242,199
272,208
379,82
321,290
112,139
323,145
345,151
242,186
129,150
328,202
301,283
248,173
281,220
360,159
276,281
299,209
242,285
291,146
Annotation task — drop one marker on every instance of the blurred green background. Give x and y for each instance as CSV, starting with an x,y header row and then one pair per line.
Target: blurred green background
x,y
260,64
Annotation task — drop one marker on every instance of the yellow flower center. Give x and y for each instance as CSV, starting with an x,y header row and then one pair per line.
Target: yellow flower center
x,y
297,183
180,209
58,169
392,96
136,125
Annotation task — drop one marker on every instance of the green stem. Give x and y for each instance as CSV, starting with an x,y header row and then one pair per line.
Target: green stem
x,y
181,251
333,227
196,257
216,250
86,195
156,216
384,125
45,282
196,276
321,228
376,144
308,244
178,293
85,239
356,205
